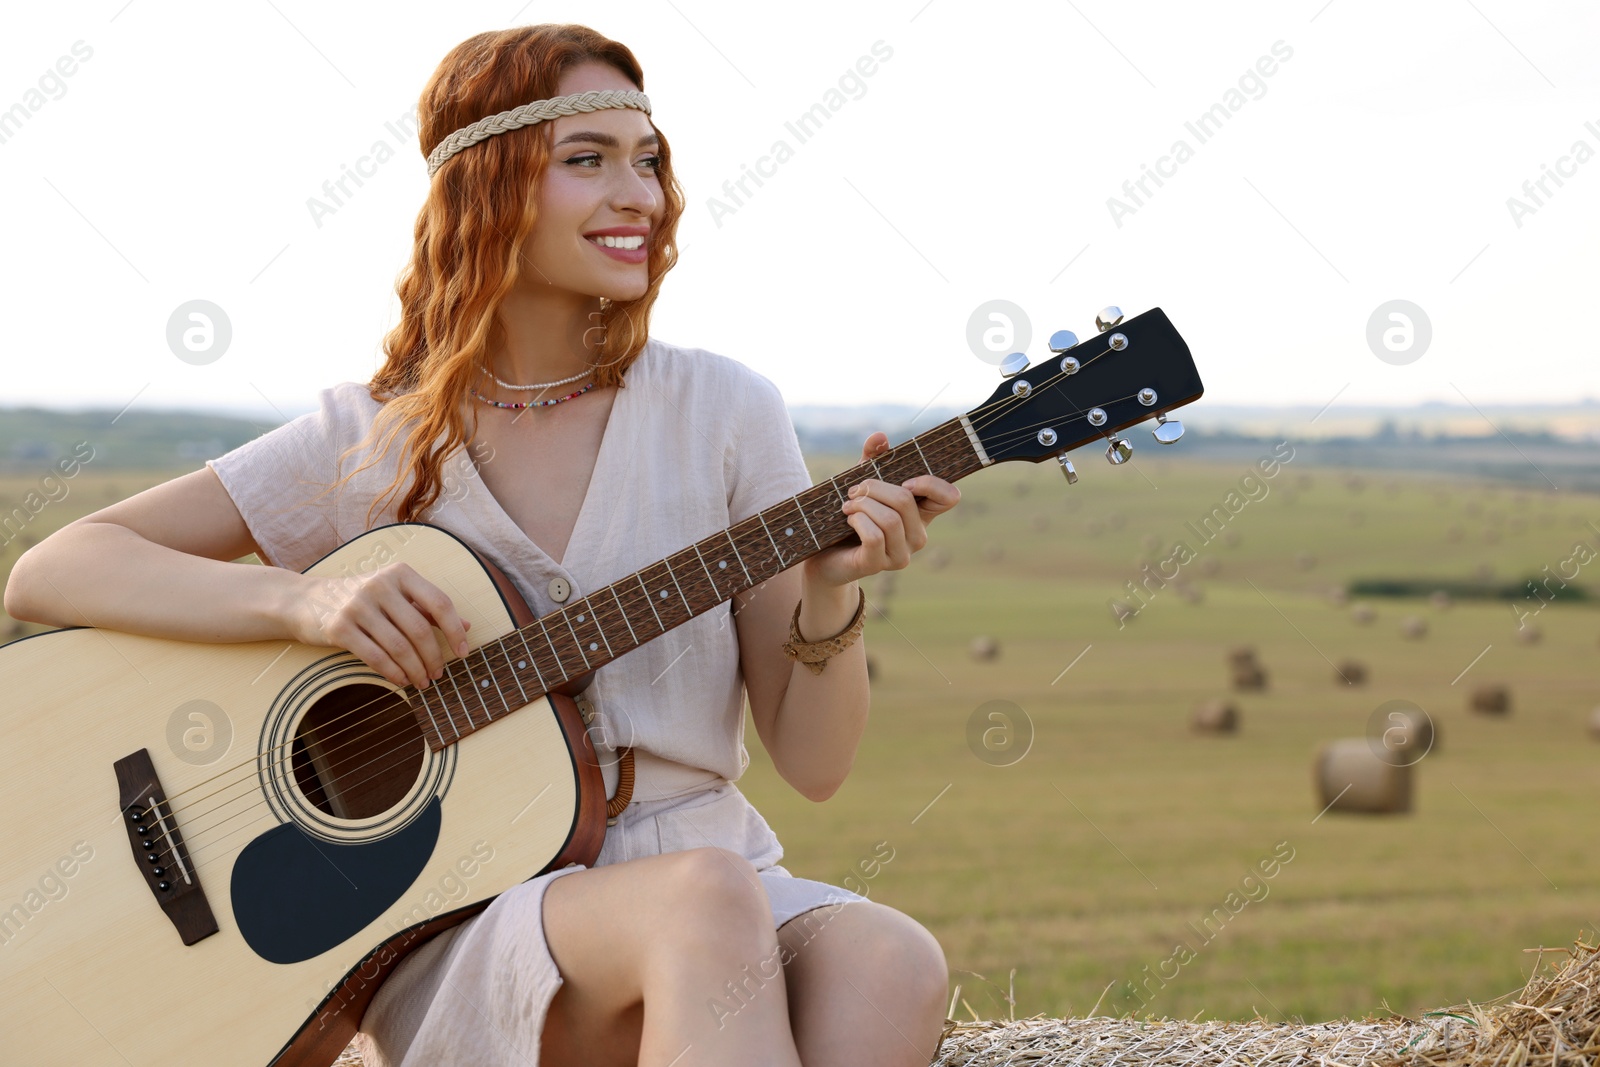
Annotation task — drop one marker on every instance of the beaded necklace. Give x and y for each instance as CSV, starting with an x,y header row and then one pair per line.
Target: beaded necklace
x,y
530,403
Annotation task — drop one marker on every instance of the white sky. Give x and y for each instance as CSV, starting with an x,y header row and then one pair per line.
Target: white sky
x,y
976,165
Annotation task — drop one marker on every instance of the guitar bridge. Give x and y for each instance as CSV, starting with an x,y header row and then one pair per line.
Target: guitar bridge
x,y
158,848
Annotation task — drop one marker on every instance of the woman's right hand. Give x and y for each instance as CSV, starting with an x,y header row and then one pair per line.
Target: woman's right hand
x,y
385,617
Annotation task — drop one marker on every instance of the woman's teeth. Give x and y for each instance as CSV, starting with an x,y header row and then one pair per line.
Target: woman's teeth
x,y
636,241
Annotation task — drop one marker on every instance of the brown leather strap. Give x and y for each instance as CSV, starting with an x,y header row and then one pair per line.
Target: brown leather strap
x,y
624,796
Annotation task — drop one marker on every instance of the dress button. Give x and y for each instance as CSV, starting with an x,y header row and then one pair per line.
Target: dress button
x,y
560,589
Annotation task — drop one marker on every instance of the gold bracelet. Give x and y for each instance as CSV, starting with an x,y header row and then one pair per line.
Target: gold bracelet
x,y
815,654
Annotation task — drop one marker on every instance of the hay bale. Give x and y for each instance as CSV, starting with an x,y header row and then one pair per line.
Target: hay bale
x,y
1440,600
1414,627
1529,633
1338,596
984,648
1362,613
1249,678
1242,655
1350,672
1409,737
1349,776
1491,698
1214,716
1210,567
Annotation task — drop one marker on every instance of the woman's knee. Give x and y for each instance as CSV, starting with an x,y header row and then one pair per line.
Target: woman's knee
x,y
715,892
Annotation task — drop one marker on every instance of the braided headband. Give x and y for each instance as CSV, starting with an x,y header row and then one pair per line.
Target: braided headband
x,y
531,114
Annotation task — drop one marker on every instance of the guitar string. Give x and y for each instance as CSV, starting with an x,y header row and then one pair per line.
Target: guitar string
x,y
198,832
993,410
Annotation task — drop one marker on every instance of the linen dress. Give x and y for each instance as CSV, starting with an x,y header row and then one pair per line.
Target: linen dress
x,y
694,443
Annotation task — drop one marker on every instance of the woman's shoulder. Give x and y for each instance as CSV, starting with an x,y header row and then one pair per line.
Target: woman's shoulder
x,y
687,370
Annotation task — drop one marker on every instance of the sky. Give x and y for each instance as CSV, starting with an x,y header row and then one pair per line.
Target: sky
x,y
1361,219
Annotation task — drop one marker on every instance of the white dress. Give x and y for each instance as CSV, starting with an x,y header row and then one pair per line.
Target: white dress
x,y
694,443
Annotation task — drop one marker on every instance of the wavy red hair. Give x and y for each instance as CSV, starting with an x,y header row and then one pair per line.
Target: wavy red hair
x,y
480,208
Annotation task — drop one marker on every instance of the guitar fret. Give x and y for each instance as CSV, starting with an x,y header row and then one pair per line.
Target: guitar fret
x,y
477,691
650,602
928,466
505,705
833,482
875,469
543,685
671,574
595,618
421,693
555,653
624,611
576,639
729,535
448,673
514,676
774,541
806,519
709,577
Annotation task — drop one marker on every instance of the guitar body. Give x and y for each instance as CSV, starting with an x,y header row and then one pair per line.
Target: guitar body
x,y
321,861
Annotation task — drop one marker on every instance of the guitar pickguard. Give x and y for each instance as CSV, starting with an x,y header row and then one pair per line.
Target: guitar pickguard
x,y
296,897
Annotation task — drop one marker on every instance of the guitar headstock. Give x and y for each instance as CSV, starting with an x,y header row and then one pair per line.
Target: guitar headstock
x,y
1130,371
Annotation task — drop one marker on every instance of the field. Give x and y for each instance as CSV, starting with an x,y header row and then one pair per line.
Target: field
x,y
1113,834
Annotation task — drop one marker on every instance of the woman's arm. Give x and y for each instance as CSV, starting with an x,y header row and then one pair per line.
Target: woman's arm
x,y
811,724
156,564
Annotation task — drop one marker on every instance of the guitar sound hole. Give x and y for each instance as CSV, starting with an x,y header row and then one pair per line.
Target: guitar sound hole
x,y
358,752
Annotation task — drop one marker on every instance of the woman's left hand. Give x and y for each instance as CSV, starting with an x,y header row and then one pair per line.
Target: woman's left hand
x,y
889,519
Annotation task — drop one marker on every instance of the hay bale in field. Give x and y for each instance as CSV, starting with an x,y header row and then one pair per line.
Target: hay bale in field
x,y
1350,672
1242,655
1249,678
1362,614
1409,737
1529,633
1210,567
1491,698
984,648
1214,716
1350,776
1414,627
1440,600
1338,596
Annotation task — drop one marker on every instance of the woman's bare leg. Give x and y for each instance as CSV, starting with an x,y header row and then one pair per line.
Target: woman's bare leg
x,y
648,949
867,984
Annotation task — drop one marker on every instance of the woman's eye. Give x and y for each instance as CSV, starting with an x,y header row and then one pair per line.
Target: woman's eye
x,y
590,158
653,162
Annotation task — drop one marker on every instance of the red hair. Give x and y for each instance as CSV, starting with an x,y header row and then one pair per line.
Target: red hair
x,y
481,206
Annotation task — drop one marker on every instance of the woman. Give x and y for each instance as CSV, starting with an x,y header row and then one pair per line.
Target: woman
x,y
523,282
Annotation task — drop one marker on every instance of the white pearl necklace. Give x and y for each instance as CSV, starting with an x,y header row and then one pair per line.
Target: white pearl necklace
x,y
539,385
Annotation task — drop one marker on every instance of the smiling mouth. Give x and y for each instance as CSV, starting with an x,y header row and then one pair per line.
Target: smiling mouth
x,y
626,243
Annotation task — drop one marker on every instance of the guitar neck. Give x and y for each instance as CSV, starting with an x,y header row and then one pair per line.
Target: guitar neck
x,y
518,668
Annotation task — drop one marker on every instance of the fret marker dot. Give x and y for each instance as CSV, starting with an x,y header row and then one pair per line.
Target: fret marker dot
x,y
593,646
580,618
484,684
521,663
663,594
788,531
722,564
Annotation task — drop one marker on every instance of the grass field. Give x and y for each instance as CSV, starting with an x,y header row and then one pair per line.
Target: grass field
x,y
1085,863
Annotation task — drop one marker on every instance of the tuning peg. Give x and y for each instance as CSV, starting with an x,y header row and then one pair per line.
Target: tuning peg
x,y
1108,317
1167,430
1013,364
1118,451
1068,469
1062,340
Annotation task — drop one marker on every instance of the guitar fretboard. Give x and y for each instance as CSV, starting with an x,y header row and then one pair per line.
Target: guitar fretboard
x,y
512,671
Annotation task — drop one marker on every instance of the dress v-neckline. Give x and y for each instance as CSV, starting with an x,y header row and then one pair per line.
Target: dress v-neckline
x,y
578,540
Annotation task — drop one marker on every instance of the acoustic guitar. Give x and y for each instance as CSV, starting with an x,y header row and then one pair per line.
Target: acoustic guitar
x,y
215,853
